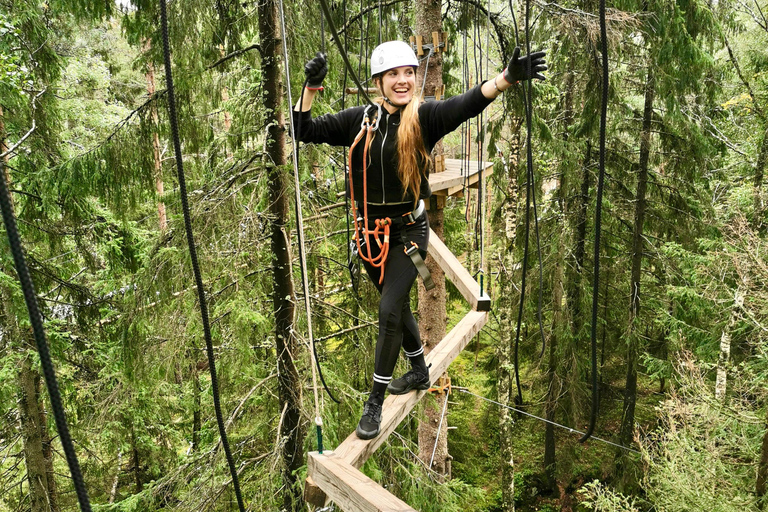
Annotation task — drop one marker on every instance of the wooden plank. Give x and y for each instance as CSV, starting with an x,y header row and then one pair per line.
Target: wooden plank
x,y
355,451
458,275
350,489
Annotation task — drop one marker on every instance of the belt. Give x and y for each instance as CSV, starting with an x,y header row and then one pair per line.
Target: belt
x,y
403,220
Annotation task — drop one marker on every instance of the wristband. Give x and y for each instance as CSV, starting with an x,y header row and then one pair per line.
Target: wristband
x,y
496,85
504,76
318,88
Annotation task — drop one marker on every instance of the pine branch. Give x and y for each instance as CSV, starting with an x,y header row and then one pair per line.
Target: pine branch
x,y
235,54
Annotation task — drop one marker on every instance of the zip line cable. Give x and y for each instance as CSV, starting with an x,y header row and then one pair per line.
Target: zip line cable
x,y
598,224
36,319
193,255
345,58
569,429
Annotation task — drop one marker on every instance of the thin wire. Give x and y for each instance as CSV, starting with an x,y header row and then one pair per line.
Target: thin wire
x,y
335,34
569,429
439,428
193,255
529,155
424,78
300,227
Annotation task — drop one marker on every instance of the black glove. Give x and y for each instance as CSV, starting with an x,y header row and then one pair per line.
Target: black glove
x,y
315,70
517,70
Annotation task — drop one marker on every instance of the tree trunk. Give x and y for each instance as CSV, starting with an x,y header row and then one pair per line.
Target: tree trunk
x,y
135,460
37,443
197,408
630,392
506,288
159,185
577,216
762,159
725,349
283,296
558,317
762,467
432,312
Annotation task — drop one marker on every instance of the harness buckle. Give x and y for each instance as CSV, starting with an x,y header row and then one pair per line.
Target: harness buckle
x,y
409,219
412,249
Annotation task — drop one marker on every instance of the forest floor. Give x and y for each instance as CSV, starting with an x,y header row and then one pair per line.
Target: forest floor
x,y
478,463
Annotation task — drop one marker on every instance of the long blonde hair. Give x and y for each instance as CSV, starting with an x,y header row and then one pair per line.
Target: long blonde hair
x,y
410,146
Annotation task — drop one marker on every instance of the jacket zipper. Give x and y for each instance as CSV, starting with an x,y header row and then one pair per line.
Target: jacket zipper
x,y
383,190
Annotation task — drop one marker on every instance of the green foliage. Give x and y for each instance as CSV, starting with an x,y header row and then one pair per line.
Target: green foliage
x,y
600,498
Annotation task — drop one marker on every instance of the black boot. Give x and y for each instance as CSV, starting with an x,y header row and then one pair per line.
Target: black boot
x,y
369,425
413,379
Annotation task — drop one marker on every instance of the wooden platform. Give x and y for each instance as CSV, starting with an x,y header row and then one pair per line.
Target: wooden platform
x,y
334,475
457,175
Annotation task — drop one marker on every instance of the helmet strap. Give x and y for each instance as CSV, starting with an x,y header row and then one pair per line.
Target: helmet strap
x,y
390,102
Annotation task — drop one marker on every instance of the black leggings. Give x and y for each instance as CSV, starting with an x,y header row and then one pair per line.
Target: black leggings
x,y
397,325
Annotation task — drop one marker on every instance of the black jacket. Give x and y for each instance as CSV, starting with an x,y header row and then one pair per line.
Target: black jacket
x,y
437,119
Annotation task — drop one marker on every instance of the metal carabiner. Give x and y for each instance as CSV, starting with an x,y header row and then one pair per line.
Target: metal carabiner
x,y
367,123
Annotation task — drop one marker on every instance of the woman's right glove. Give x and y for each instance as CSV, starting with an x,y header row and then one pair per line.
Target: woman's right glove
x,y
315,71
517,70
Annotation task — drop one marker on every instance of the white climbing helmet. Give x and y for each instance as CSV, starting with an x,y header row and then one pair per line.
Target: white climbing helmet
x,y
392,54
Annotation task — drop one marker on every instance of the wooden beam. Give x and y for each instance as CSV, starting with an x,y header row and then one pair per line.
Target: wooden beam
x,y
355,451
458,275
368,90
350,489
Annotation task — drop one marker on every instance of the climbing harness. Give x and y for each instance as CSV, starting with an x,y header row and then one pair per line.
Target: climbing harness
x,y
379,228
193,256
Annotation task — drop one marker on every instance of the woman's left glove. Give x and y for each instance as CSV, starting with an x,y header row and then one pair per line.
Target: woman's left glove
x,y
517,70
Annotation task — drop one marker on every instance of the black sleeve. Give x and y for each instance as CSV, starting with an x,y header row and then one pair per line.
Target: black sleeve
x,y
334,129
440,118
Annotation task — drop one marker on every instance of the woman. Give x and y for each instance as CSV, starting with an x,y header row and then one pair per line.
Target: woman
x,y
389,161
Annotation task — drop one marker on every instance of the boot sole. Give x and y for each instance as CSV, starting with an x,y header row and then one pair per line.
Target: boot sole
x,y
366,435
421,387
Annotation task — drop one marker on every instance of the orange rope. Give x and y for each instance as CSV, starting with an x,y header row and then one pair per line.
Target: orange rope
x,y
379,261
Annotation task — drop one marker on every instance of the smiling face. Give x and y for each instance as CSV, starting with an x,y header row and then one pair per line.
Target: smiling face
x,y
398,85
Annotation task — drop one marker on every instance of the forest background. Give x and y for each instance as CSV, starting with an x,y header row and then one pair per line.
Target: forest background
x,y
683,310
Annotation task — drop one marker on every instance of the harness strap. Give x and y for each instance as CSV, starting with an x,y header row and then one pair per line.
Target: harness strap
x,y
382,225
412,250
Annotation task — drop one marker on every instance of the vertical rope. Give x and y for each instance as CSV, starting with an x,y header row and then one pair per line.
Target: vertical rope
x,y
598,222
193,255
380,22
439,428
300,235
36,319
